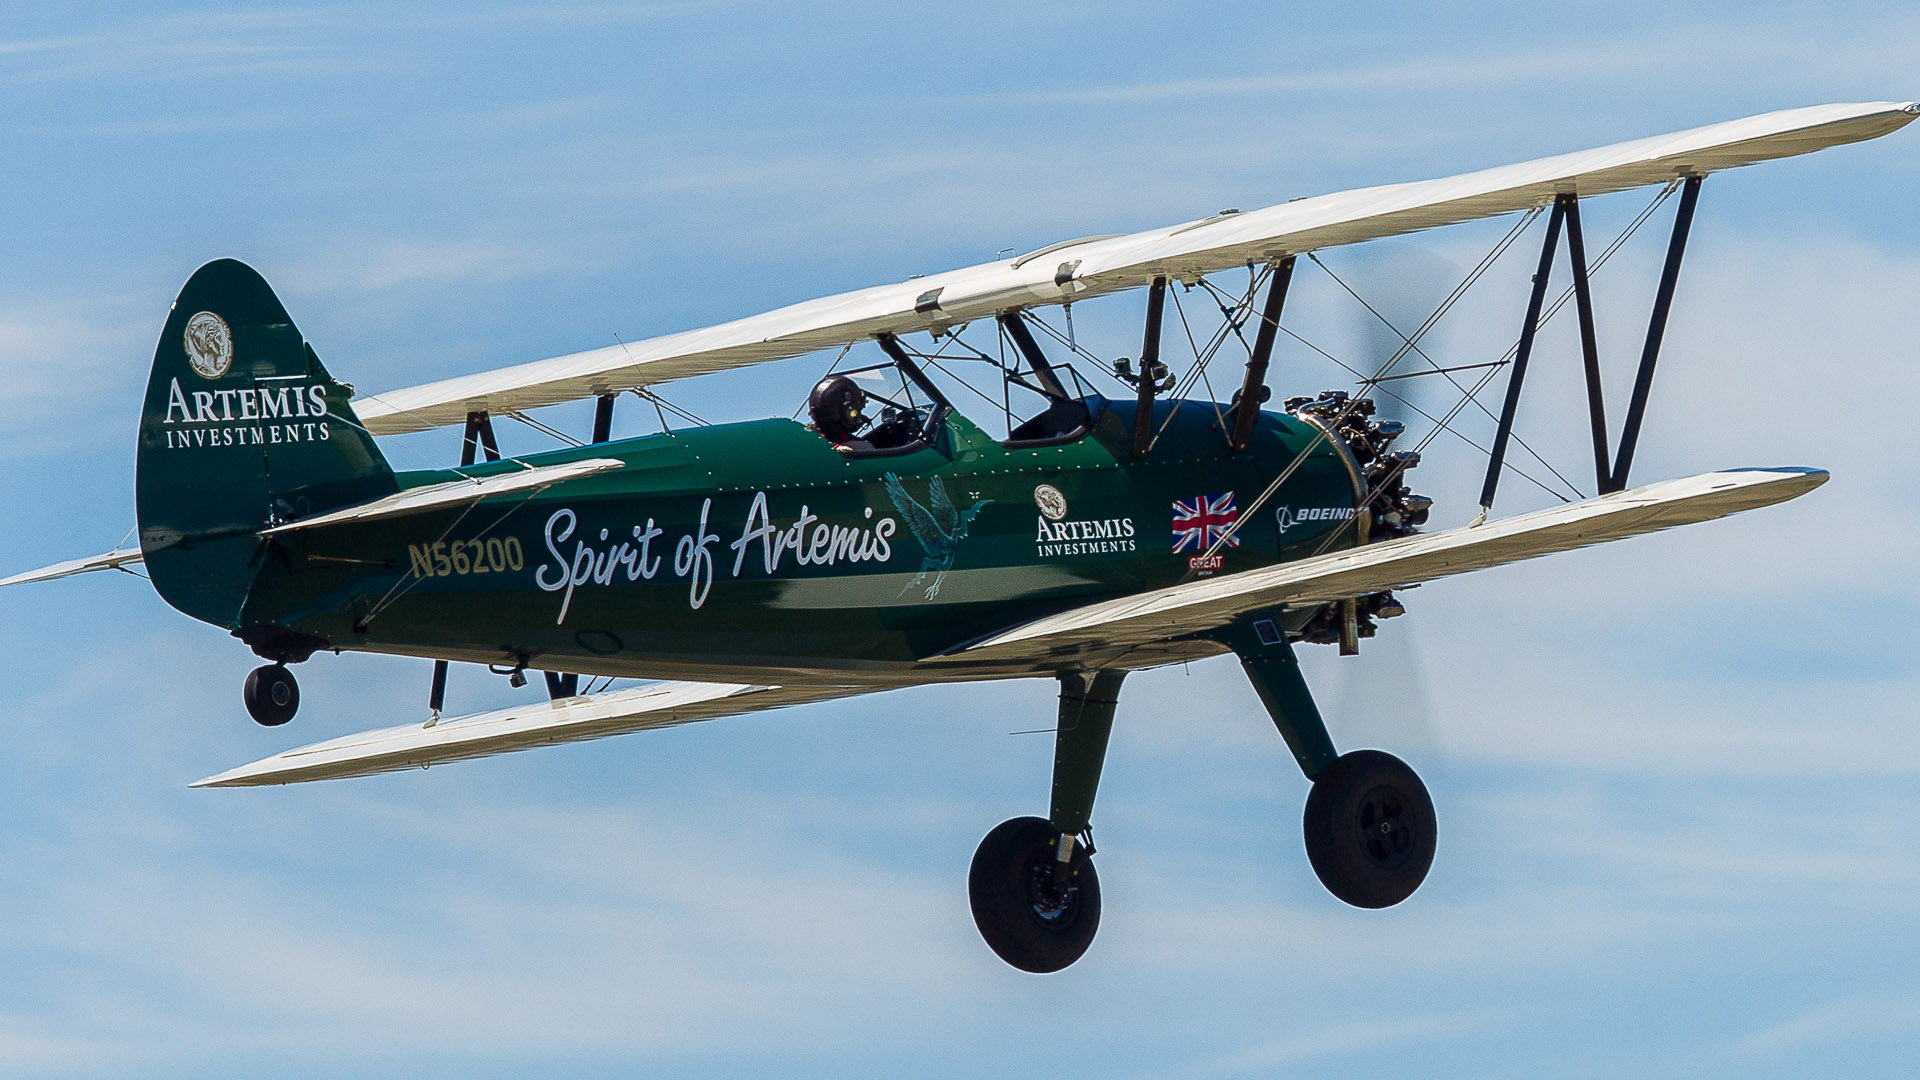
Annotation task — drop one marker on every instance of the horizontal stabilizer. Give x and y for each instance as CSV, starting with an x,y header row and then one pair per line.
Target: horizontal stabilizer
x,y
452,493
521,727
118,559
1201,606
1075,270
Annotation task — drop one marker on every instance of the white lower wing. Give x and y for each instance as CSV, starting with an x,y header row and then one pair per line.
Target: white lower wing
x,y
523,727
118,559
1200,606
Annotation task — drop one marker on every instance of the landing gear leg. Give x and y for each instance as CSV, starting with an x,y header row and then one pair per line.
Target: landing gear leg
x,y
1369,825
1035,896
271,694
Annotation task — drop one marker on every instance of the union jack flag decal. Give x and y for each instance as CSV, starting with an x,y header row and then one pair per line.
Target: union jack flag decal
x,y
1200,522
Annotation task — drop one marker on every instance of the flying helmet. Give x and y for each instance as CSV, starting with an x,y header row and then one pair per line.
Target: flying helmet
x,y
835,406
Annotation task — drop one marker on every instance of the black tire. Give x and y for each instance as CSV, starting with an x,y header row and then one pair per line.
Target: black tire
x,y
1028,919
271,694
1370,829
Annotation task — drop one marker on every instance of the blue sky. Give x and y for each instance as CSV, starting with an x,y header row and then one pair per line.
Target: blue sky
x,y
1676,777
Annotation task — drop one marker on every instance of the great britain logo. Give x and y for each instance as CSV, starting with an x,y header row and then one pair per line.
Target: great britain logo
x,y
1205,520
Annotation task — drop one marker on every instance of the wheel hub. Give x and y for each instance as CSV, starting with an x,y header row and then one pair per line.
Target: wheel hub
x,y
1384,832
1054,901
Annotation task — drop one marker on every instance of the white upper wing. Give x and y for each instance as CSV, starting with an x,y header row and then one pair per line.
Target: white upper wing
x,y
1199,606
522,727
1093,267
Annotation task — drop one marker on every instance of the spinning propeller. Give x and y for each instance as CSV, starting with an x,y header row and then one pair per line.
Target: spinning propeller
x,y
1382,696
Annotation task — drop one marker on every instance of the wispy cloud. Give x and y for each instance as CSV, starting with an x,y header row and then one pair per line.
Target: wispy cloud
x,y
164,126
172,49
1489,70
1614,59
1851,1020
65,367
1373,1034
379,264
292,41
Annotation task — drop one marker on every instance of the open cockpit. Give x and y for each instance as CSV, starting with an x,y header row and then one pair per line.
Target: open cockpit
x,y
894,407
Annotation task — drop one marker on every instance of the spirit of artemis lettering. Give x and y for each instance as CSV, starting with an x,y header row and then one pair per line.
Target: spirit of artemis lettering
x,y
809,540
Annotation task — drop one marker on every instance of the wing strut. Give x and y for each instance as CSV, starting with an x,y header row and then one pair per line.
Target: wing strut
x,y
1497,458
1589,347
478,438
1566,211
1656,330
1254,392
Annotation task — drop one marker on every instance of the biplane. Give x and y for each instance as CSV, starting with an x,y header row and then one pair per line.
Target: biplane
x,y
893,541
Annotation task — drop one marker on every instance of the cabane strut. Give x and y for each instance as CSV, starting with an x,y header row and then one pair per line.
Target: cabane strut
x,y
603,417
1152,371
1254,392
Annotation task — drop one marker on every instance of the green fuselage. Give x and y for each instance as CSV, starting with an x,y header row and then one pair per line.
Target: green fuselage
x,y
757,551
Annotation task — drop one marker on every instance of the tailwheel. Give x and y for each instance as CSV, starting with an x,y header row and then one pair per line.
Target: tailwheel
x,y
1370,829
271,694
1036,913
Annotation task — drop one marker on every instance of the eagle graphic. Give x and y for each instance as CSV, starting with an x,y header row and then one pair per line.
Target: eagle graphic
x,y
939,528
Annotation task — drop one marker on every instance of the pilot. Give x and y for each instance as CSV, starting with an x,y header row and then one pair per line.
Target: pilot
x,y
835,406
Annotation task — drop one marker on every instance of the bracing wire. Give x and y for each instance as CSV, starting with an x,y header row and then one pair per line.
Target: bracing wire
x,y
543,428
1323,435
1606,254
1438,424
1412,345
1598,262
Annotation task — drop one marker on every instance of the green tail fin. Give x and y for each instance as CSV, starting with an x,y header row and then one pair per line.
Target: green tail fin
x,y
242,426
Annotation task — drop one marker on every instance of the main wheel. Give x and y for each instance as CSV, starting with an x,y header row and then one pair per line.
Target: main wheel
x,y
1370,829
1034,917
271,695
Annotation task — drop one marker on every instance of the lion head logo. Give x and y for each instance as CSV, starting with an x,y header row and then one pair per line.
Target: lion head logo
x,y
209,345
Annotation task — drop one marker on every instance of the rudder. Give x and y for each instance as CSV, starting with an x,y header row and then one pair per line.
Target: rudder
x,y
242,427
